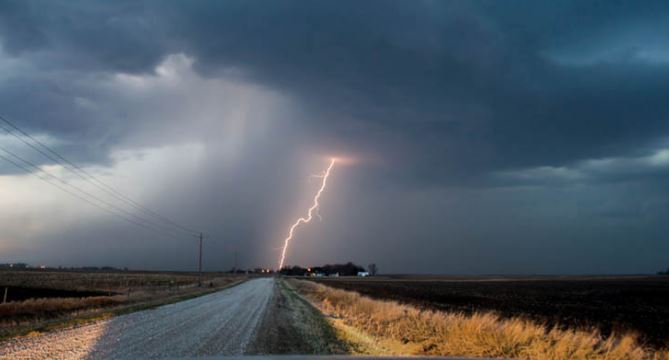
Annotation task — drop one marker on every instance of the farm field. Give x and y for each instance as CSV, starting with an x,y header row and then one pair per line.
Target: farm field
x,y
635,305
41,300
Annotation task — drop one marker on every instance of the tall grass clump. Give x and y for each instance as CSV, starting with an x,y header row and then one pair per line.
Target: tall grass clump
x,y
52,307
406,330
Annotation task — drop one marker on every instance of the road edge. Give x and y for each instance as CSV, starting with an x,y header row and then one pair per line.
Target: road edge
x,y
291,325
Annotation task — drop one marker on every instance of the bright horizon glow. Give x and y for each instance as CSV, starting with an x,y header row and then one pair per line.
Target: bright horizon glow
x,y
310,212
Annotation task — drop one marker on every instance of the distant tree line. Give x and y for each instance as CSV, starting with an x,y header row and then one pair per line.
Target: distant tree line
x,y
665,272
14,266
93,268
348,269
24,266
250,271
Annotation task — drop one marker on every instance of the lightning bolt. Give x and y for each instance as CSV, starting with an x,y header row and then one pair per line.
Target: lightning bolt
x,y
310,212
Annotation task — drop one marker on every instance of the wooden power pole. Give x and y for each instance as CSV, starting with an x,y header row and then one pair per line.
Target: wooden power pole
x,y
199,265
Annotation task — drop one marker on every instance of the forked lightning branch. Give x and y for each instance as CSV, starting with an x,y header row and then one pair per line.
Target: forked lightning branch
x,y
310,213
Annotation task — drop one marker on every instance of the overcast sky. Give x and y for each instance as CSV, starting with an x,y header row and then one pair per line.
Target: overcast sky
x,y
478,136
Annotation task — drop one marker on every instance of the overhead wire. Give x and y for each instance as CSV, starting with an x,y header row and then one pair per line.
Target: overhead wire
x,y
66,190
56,157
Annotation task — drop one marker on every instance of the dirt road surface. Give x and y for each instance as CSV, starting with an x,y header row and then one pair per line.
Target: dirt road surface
x,y
222,323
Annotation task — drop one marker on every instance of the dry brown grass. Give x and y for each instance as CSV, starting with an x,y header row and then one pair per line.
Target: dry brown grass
x,y
405,330
102,281
53,307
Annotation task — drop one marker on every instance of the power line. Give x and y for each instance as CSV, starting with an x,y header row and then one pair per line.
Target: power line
x,y
86,193
53,155
45,179
114,208
85,175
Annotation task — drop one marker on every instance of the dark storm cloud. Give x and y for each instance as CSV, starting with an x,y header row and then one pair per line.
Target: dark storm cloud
x,y
465,96
81,34
469,83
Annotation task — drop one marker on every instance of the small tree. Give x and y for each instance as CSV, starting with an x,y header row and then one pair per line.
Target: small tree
x,y
372,269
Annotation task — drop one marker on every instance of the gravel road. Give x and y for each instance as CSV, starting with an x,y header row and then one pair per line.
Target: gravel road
x,y
222,323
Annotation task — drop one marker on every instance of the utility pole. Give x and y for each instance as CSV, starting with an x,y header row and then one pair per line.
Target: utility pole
x,y
199,266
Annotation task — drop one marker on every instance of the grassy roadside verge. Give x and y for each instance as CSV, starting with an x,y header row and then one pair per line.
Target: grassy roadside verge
x,y
313,327
88,316
292,325
355,341
377,327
